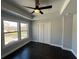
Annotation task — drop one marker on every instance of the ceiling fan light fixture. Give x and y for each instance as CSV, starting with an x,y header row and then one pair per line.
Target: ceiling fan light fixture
x,y
37,11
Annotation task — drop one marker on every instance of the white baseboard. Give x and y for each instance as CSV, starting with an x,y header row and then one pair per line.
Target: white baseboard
x,y
14,50
56,45
51,44
68,49
74,53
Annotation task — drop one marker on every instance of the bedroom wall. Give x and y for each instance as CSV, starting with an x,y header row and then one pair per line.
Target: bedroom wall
x,y
74,35
70,33
48,30
54,31
67,32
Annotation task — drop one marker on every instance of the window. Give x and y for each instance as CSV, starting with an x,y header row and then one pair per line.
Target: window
x,y
10,32
14,31
24,30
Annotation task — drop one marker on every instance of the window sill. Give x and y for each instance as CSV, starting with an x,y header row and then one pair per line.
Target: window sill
x,y
15,42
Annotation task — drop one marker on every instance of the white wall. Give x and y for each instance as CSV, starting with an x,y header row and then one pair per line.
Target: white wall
x,y
56,31
59,31
48,31
70,33
67,31
74,35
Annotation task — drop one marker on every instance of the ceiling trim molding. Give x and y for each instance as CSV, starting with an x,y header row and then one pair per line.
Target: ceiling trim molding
x,y
64,6
12,12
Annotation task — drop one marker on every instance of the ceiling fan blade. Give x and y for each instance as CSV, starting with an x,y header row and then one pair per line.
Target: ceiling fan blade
x,y
46,7
33,12
37,3
41,12
29,7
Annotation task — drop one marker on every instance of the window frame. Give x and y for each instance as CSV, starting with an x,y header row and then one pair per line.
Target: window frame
x,y
18,32
26,30
11,43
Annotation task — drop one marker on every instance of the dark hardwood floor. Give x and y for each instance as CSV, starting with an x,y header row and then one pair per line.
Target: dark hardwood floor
x,y
35,50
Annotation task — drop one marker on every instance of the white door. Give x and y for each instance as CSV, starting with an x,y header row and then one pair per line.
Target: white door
x,y
44,32
47,32
40,33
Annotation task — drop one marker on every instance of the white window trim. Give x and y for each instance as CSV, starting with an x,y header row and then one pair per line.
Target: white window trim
x,y
18,30
27,29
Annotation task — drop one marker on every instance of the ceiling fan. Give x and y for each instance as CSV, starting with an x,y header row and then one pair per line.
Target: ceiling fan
x,y
38,9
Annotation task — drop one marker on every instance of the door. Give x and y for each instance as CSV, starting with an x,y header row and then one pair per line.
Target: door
x,y
44,32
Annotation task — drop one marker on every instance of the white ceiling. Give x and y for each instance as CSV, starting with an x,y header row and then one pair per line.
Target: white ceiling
x,y
71,7
57,6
